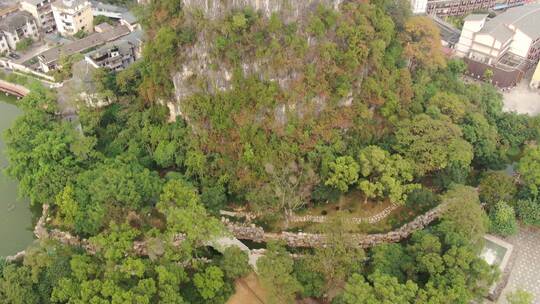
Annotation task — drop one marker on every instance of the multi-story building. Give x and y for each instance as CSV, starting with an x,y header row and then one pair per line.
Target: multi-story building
x,y
419,7
119,13
117,55
4,47
42,12
457,7
49,59
508,44
72,16
18,26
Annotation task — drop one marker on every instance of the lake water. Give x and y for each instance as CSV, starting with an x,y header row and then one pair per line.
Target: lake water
x,y
15,216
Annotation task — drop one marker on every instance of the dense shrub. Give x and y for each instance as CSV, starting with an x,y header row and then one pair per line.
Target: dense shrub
x,y
503,219
495,187
234,263
529,212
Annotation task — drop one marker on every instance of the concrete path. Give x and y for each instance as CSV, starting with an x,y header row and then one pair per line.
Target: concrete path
x,y
526,271
222,243
522,100
31,53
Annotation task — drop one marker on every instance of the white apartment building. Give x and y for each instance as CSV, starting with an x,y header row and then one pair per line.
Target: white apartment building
x,y
4,47
18,26
72,16
515,32
419,7
42,12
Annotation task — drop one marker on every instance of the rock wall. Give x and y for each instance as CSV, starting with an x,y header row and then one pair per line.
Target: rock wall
x,y
248,216
201,73
289,10
301,239
248,232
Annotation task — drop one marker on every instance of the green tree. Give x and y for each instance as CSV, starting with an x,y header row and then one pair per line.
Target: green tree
x,y
234,263
24,44
503,219
484,138
433,144
102,19
520,296
385,289
529,169
339,258
450,104
495,187
389,259
384,175
16,286
343,172
528,211
185,214
209,283
39,149
313,283
464,221
488,75
275,272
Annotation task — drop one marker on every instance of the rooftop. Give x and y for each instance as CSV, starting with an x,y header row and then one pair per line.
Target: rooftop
x,y
135,37
107,7
69,4
526,18
15,21
475,17
33,2
103,27
448,33
129,18
120,45
81,45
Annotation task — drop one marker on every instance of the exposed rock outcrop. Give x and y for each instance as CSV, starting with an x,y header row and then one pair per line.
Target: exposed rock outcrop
x,y
201,72
289,10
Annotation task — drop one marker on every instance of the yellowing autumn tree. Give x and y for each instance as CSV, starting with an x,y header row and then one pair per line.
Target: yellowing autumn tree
x,y
422,43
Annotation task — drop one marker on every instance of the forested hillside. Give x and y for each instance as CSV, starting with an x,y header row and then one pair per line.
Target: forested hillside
x,y
277,111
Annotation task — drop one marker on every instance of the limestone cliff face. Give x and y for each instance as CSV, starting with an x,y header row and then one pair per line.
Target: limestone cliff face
x,y
200,70
289,10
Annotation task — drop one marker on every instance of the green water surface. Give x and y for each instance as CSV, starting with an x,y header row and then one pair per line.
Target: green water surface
x,y
15,216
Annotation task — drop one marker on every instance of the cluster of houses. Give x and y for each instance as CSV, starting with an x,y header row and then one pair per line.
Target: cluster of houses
x,y
503,45
508,45
114,46
443,8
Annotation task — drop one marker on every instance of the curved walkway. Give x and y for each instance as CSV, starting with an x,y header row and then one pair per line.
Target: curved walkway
x,y
318,218
13,89
301,239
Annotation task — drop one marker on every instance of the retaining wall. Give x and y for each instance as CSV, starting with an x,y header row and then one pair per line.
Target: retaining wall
x,y
301,239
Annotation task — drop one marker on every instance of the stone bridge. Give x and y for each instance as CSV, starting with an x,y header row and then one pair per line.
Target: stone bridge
x,y
13,89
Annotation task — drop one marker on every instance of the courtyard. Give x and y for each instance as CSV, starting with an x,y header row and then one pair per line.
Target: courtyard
x,y
522,100
526,267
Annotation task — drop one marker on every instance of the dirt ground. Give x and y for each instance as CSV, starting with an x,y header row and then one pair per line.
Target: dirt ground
x,y
248,291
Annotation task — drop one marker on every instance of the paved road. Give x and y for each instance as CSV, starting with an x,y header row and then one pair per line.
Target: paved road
x,y
526,271
32,52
